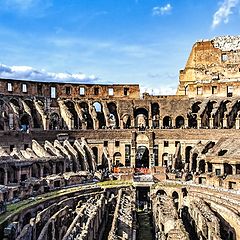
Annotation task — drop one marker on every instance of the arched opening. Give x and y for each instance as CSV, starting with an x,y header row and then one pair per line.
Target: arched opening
x,y
167,122
36,170
175,197
54,121
161,192
179,123
141,118
126,122
59,167
155,115
202,165
86,115
75,119
95,152
24,122
113,118
194,162
209,167
192,120
227,169
187,154
47,170
2,176
117,159
165,160
36,119
100,114
142,157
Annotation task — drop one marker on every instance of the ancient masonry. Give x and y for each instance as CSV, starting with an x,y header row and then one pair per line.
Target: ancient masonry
x,y
176,159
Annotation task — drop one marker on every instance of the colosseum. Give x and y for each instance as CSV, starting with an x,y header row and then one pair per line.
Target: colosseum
x,y
81,161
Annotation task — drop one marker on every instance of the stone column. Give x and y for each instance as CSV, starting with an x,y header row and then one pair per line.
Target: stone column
x,y
121,123
54,168
150,123
224,122
234,169
41,171
211,122
186,123
133,122
160,123
237,123
199,123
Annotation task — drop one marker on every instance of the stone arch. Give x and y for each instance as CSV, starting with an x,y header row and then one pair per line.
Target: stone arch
x,y
161,192
167,122
126,121
155,109
86,115
54,121
95,152
179,122
188,154
60,167
194,162
142,157
141,118
113,118
2,176
76,121
228,169
100,115
202,166
25,122
175,197
165,161
36,170
36,118
117,159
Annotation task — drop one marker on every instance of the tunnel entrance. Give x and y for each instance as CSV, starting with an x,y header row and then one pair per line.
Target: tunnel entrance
x,y
142,157
145,228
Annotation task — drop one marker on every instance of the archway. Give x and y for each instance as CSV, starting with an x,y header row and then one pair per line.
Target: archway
x,y
86,115
187,154
179,122
167,122
100,115
227,169
155,115
126,121
113,118
161,192
175,197
141,118
142,157
117,159
95,152
194,162
24,122
202,165
76,121
2,176
54,121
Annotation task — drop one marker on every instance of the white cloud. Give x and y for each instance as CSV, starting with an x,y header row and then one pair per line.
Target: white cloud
x,y
29,73
158,11
224,11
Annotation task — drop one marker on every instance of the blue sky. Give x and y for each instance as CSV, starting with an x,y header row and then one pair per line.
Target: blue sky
x,y
109,41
